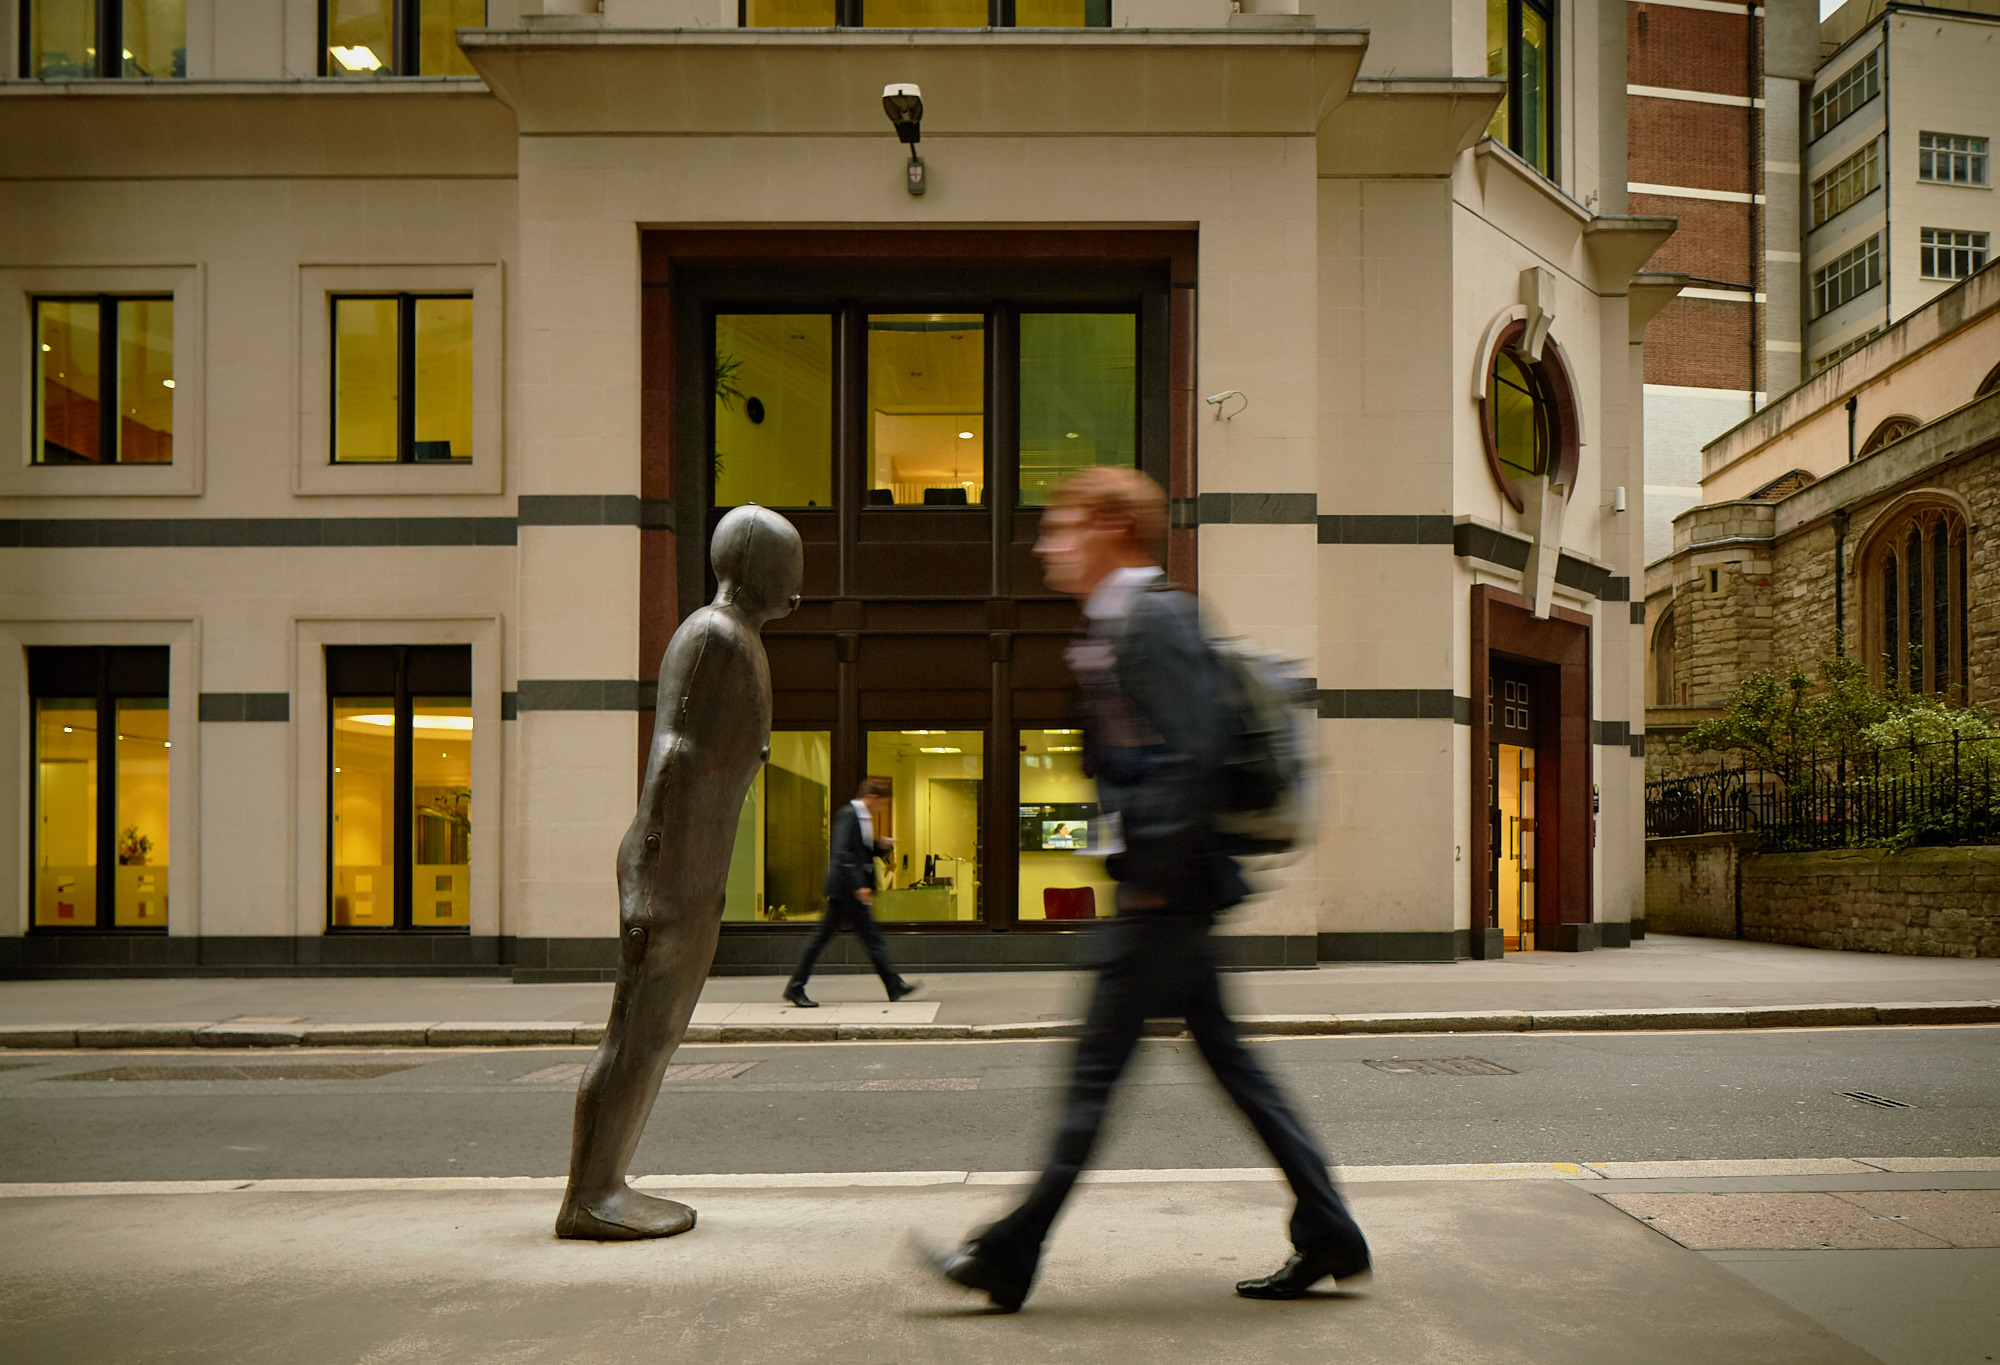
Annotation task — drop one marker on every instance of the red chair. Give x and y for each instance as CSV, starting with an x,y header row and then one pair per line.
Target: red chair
x,y
1069,902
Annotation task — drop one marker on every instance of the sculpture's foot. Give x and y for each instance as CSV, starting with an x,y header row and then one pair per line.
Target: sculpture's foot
x,y
625,1215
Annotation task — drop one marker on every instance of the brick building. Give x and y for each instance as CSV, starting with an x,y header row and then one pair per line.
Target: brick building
x,y
1846,518
1712,113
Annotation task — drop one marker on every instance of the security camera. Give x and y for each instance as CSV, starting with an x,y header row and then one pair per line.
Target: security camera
x,y
904,104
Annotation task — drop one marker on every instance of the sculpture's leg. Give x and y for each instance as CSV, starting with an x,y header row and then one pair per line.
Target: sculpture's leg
x,y
660,975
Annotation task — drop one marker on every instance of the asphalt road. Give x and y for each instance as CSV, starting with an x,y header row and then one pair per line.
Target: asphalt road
x,y
988,1106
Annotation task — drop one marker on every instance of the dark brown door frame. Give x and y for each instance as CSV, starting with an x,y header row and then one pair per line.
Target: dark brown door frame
x,y
1558,648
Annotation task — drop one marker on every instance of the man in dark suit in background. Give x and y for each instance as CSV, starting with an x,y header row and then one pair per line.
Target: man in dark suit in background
x,y
852,849
1157,732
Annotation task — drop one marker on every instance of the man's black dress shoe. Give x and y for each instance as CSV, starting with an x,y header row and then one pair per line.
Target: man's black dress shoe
x,y
1302,1272
796,995
905,988
969,1268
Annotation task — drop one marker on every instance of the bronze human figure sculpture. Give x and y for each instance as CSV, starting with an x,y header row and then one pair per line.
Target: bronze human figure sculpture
x,y
711,733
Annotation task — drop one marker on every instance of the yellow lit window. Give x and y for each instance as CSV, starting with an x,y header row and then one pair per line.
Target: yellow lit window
x,y
927,409
83,39
367,38
402,379
79,417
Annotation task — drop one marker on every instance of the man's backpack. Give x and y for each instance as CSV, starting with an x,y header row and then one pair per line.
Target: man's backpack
x,y
1263,806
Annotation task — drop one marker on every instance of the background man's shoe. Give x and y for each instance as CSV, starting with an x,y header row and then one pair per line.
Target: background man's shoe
x,y
968,1268
796,995
906,987
1302,1272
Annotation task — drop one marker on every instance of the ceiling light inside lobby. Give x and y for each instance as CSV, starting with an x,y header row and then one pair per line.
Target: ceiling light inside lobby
x,y
356,58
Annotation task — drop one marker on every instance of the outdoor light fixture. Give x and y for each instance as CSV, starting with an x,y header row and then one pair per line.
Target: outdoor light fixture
x,y
904,104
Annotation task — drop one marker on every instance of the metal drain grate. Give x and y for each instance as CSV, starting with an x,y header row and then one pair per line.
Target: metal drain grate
x,y
209,1071
569,1073
1879,1101
1442,1066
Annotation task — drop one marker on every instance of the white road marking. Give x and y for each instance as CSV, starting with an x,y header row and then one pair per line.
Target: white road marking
x,y
810,1180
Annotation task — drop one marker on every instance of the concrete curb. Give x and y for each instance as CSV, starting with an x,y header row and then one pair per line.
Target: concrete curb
x,y
119,1037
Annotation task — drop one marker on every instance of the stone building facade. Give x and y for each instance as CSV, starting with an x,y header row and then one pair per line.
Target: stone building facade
x,y
1815,557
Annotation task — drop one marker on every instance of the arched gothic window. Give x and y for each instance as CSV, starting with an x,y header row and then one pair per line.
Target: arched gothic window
x,y
1891,429
1988,384
1665,657
1915,574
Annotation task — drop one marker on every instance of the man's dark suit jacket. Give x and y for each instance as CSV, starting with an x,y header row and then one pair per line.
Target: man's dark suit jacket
x,y
1158,761
850,863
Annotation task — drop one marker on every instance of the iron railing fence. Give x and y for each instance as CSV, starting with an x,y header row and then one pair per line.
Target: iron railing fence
x,y
1942,792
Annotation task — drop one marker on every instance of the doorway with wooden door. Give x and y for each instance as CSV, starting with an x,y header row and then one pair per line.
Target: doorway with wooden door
x,y
1510,696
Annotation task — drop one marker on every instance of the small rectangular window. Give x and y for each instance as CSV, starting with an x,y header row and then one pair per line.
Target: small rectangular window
x,y
937,783
402,378
1079,396
1520,47
774,409
1949,254
400,787
1847,184
1848,276
1059,878
102,754
104,380
365,38
92,39
1850,90
1946,159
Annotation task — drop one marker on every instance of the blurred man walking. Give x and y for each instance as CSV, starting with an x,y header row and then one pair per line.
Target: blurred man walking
x,y
1156,735
852,849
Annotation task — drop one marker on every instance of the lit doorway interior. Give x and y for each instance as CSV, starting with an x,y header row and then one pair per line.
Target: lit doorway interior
x,y
1510,697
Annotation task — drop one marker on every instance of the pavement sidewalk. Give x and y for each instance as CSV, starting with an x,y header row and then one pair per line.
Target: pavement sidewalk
x,y
1556,1271
1661,982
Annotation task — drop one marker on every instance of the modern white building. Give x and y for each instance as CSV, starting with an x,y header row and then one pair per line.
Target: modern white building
x,y
373,378
1900,124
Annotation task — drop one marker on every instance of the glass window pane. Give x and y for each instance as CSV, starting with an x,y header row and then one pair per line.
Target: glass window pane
x,y
441,806
937,780
62,39
145,381
1516,428
1496,62
774,409
1058,810
66,341
779,867
364,795
360,37
1534,89
143,754
788,13
927,408
438,26
364,380
444,378
924,13
1079,396
155,38
66,811
1052,13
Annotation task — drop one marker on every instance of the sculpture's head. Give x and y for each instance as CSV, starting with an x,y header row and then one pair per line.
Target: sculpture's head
x,y
759,562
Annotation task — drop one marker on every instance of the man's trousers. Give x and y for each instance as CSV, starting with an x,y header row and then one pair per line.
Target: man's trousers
x,y
840,911
1165,967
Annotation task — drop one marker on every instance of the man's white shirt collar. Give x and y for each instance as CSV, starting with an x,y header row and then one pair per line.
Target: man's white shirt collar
x,y
1113,598
867,821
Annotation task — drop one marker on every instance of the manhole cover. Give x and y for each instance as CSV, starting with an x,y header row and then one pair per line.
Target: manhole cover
x,y
1441,1066
217,1071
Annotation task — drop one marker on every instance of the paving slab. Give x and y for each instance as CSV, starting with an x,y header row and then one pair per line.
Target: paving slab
x,y
1778,1222
1902,1307
1138,1272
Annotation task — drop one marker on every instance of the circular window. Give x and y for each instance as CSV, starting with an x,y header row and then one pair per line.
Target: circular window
x,y
1527,418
